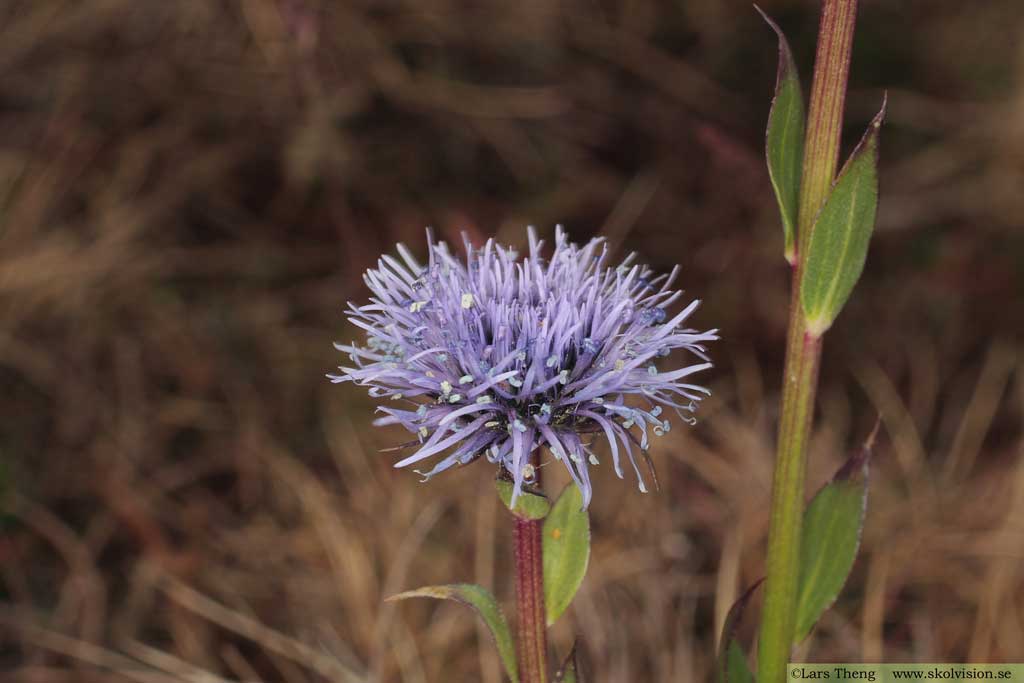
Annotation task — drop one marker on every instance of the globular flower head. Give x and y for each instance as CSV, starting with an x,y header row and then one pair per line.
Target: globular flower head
x,y
497,356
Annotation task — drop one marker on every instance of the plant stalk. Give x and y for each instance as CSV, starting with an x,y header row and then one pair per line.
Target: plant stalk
x,y
532,639
825,112
803,350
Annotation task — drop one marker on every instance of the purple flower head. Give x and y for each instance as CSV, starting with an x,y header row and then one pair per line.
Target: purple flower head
x,y
498,356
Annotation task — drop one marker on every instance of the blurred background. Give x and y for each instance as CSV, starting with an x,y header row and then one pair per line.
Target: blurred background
x,y
190,191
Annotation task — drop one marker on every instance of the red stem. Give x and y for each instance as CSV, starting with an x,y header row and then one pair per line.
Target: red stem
x,y
533,650
825,113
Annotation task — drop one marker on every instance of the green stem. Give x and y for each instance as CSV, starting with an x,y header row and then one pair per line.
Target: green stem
x,y
532,651
825,113
783,565
803,350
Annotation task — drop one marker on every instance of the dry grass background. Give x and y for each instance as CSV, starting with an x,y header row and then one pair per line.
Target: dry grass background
x,y
191,189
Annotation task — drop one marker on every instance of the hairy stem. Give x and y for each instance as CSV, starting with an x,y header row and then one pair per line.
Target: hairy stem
x,y
803,351
532,651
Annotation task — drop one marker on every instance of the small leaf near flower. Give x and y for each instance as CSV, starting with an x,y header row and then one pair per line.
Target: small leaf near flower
x,y
831,536
566,551
529,505
481,600
731,665
838,245
784,141
570,671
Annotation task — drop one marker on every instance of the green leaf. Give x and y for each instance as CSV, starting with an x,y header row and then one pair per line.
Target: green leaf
x,y
737,669
566,551
731,665
569,673
842,230
784,141
480,599
831,536
529,504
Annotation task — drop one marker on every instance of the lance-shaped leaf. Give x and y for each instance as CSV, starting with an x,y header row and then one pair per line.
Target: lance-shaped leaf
x,y
839,240
784,141
831,536
566,551
731,665
481,600
570,671
529,505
